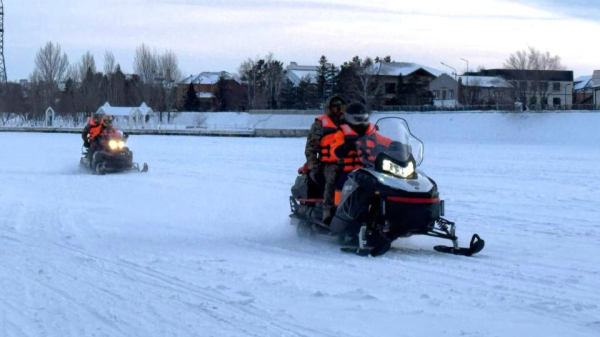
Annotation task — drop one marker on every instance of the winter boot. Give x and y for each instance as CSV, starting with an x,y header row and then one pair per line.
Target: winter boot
x,y
327,215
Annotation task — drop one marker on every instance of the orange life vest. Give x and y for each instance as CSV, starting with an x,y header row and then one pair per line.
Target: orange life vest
x,y
95,129
329,130
358,146
365,146
111,133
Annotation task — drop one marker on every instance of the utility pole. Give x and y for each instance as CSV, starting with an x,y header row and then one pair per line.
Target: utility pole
x,y
3,78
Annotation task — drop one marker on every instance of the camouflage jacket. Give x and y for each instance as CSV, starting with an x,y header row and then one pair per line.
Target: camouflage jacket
x,y
313,144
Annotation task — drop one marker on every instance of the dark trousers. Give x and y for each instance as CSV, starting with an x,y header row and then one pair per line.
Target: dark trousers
x,y
93,148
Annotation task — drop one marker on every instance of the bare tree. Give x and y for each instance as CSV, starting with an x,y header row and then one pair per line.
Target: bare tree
x,y
50,64
109,63
168,67
533,59
272,81
73,72
251,72
87,63
145,64
364,85
170,74
533,84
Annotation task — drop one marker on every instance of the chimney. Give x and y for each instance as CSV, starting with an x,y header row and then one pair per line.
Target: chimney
x,y
596,76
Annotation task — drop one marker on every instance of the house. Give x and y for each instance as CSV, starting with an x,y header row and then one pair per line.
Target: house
x,y
535,88
484,90
444,89
412,74
587,89
296,73
205,83
130,116
470,90
583,90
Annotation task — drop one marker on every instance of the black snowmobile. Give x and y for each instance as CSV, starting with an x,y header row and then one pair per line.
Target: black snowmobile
x,y
382,202
112,156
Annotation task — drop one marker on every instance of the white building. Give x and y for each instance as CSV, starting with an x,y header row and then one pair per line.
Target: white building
x,y
129,116
296,73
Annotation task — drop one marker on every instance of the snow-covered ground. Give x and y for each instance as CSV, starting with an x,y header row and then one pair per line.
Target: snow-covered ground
x,y
201,246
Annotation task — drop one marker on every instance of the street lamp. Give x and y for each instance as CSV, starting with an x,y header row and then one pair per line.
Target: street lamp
x,y
450,68
456,90
468,90
467,70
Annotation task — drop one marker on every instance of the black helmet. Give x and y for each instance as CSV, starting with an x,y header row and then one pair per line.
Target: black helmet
x,y
357,114
98,116
107,121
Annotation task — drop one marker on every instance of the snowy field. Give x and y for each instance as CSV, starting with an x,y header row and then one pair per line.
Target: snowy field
x,y
201,246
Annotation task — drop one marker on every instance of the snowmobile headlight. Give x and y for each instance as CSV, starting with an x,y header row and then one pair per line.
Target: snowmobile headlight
x,y
116,144
397,170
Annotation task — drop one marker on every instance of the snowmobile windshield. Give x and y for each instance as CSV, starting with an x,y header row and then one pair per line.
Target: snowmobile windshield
x,y
395,140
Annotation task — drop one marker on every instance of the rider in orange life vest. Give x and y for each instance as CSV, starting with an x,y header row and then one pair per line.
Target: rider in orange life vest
x,y
108,131
92,129
356,142
103,134
322,165
90,132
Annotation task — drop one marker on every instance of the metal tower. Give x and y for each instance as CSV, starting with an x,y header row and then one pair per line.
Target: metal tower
x,y
2,66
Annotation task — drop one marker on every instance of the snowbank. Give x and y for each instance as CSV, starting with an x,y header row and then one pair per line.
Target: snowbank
x,y
575,127
555,128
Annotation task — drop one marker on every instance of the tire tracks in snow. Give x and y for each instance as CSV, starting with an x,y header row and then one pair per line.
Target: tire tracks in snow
x,y
245,315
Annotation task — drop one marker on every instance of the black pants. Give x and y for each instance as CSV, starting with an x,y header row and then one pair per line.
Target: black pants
x,y
93,148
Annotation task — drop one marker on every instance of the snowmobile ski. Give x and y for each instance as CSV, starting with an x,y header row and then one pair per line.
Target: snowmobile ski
x,y
367,244
475,247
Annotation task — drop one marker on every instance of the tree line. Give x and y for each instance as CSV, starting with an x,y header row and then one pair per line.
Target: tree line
x,y
72,88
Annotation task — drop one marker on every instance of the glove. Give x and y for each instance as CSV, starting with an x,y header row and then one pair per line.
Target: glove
x,y
86,145
303,169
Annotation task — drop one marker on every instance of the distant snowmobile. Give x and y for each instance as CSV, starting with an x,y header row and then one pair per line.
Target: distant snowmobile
x,y
112,156
382,202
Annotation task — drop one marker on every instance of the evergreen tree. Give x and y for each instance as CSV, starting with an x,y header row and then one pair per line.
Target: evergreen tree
x,y
118,92
287,95
66,104
191,101
220,98
322,74
331,80
307,94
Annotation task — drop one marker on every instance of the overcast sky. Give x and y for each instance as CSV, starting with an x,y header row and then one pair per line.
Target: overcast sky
x,y
216,35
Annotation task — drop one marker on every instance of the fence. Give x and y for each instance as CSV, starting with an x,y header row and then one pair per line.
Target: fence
x,y
488,107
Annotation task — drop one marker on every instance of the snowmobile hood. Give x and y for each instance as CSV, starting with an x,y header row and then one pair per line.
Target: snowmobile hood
x,y
421,184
